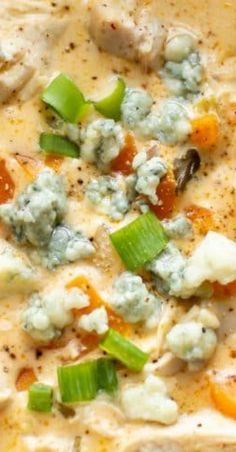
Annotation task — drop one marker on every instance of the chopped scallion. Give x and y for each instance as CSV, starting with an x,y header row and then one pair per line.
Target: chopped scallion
x,y
139,241
40,398
82,382
106,375
58,145
66,99
110,106
123,350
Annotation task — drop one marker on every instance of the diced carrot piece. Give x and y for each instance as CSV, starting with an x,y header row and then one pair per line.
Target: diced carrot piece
x,y
25,379
224,291
7,185
53,162
205,131
96,301
124,160
223,393
166,192
201,217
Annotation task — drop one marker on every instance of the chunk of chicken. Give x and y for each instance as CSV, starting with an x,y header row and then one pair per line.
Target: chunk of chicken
x,y
14,79
135,35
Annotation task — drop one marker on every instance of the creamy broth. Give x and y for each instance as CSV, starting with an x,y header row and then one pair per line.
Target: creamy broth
x,y
60,42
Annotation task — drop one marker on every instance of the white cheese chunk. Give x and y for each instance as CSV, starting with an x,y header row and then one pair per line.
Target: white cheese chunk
x,y
150,402
97,321
213,260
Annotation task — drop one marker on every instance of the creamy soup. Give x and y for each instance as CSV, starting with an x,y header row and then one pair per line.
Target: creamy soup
x,y
117,222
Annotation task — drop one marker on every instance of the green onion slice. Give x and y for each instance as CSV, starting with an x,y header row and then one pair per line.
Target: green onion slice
x,y
121,349
106,375
82,382
58,145
110,106
139,241
66,99
40,398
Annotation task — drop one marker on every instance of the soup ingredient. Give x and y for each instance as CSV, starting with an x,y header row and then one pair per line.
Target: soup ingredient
x,y
132,300
123,350
192,342
183,78
7,185
109,195
201,217
179,227
149,174
96,321
173,123
40,398
149,401
222,388
16,273
205,131
101,142
47,314
166,193
64,97
82,382
37,210
66,245
14,78
25,379
179,47
123,162
168,269
58,145
136,106
140,241
110,106
185,167
138,36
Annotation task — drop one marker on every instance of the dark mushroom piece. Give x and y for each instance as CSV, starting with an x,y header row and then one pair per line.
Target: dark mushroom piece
x,y
185,168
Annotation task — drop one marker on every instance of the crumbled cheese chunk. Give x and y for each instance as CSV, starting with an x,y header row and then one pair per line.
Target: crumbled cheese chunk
x,y
101,141
178,227
136,106
34,214
66,245
97,321
168,269
179,48
173,122
193,341
214,259
185,77
110,195
47,314
150,402
149,174
132,300
16,274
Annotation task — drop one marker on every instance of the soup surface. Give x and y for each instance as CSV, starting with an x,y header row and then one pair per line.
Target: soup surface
x,y
118,226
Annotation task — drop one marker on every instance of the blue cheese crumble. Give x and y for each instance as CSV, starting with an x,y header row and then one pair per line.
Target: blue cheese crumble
x,y
149,401
136,106
109,195
194,339
132,300
178,227
47,315
96,321
101,142
66,245
148,173
183,71
37,210
173,123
